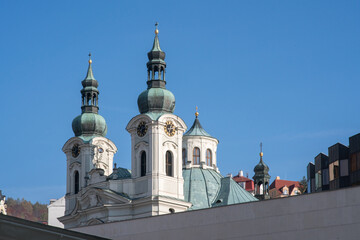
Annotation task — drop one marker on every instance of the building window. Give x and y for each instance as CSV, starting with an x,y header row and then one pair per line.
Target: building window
x,y
184,156
344,168
76,182
325,175
318,180
358,161
169,164
208,157
143,164
353,162
196,156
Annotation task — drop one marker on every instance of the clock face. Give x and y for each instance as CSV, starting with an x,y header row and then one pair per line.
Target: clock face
x,y
170,128
142,129
75,150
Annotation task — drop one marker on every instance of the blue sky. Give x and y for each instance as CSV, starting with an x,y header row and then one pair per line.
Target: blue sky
x,y
285,73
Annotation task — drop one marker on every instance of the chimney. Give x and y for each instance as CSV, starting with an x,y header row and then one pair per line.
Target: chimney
x,y
241,173
229,175
277,178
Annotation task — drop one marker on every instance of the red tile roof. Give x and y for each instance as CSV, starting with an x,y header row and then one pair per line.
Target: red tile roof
x,y
279,184
249,184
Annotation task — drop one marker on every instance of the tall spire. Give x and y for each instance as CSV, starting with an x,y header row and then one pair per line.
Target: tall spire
x,y
156,64
156,45
89,75
89,93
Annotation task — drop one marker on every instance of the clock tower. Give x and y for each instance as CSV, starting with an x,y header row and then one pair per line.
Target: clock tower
x,y
156,141
89,154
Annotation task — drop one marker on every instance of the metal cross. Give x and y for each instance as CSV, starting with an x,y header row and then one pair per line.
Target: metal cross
x,y
156,25
260,146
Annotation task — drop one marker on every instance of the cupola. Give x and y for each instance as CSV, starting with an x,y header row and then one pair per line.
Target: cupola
x,y
199,147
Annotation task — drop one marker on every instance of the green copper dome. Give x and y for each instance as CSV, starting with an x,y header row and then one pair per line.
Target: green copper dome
x,y
156,100
89,124
206,188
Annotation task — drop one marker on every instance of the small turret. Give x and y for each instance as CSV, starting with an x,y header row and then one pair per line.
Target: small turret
x,y
261,178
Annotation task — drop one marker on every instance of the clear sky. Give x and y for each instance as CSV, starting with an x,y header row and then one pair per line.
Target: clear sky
x,y
285,73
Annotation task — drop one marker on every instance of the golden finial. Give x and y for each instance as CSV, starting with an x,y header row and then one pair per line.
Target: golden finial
x,y
261,152
196,113
156,28
90,61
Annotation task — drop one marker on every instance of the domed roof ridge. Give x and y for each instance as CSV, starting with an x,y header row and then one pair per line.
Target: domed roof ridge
x,y
197,130
204,187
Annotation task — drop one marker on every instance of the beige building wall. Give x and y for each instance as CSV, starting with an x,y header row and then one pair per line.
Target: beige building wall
x,y
324,215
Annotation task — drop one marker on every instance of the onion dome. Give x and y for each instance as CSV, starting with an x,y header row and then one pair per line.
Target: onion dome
x,y
261,166
196,129
261,170
156,98
89,123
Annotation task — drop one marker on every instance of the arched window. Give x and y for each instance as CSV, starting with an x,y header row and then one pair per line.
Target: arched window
x,y
88,99
76,182
184,156
94,100
143,164
208,157
169,164
196,156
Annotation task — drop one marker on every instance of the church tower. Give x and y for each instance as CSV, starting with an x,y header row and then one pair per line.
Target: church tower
x,y
156,142
261,178
89,154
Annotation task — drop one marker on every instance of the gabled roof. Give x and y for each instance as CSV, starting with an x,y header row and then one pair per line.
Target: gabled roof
x,y
231,193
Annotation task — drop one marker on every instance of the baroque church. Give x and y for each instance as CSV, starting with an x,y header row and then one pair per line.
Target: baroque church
x,y
173,169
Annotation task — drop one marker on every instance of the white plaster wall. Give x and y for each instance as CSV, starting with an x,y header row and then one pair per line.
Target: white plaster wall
x,y
203,143
55,210
155,143
325,215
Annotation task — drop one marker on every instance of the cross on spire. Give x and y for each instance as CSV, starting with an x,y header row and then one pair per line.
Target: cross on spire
x,y
196,113
156,28
90,61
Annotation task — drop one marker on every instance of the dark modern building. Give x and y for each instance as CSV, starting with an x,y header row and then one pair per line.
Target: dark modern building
x,y
341,168
338,166
311,177
321,172
354,156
